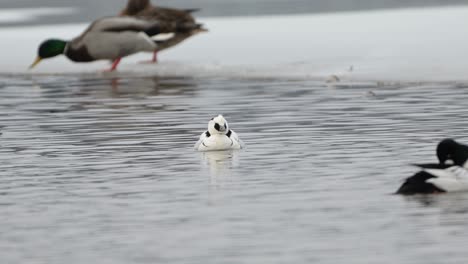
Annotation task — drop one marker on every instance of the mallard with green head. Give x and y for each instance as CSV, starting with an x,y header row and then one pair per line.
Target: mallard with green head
x,y
167,17
108,38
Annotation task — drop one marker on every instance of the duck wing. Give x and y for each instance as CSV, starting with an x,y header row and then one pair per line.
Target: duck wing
x,y
203,136
165,14
122,24
171,19
452,179
418,184
236,138
432,165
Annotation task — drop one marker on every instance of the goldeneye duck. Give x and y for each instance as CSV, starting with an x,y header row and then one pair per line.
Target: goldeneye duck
x,y
218,136
431,180
441,177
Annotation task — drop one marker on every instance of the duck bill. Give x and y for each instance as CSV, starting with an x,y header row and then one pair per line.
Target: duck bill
x,y
38,59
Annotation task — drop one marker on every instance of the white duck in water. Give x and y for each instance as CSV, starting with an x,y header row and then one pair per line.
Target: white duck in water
x,y
109,38
218,136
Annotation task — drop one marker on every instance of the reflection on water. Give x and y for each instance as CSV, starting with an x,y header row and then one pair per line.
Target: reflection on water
x,y
219,164
103,168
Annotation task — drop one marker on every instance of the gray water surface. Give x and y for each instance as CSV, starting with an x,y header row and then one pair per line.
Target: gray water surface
x,y
101,170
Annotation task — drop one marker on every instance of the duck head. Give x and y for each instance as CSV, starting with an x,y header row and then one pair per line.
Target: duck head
x,y
446,150
218,125
48,49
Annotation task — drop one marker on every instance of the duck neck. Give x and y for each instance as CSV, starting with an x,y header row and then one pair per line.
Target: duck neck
x,y
80,54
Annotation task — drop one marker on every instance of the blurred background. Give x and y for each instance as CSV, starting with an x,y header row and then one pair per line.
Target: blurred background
x,y
88,10
291,38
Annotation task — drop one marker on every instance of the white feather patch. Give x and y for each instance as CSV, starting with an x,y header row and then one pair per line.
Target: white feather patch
x,y
163,36
451,179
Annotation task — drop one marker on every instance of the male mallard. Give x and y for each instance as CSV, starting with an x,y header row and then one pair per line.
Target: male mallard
x,y
109,38
166,16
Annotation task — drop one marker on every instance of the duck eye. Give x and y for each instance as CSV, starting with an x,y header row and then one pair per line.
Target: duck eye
x,y
217,127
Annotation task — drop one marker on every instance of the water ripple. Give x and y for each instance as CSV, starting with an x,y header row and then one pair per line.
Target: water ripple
x,y
97,168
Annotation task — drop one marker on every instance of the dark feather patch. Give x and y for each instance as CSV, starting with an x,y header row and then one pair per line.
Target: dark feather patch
x,y
417,184
79,55
207,134
150,31
433,165
153,30
229,133
191,10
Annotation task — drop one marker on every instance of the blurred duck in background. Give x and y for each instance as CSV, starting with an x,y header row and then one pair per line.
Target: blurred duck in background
x,y
167,17
110,38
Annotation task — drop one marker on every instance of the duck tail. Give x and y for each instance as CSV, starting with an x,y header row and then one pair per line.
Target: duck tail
x,y
188,27
200,28
191,10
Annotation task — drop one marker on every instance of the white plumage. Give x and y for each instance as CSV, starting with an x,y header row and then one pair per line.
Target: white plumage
x,y
218,137
451,179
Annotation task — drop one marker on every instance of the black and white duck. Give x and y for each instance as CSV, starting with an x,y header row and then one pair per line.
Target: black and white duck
x,y
449,175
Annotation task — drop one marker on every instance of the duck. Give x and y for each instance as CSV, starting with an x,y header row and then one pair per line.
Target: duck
x,y
109,38
167,17
218,136
449,175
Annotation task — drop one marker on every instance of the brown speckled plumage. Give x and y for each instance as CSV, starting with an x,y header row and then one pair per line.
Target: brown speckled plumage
x,y
136,6
168,19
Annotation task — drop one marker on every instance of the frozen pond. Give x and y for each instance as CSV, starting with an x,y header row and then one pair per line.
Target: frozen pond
x,y
102,169
426,45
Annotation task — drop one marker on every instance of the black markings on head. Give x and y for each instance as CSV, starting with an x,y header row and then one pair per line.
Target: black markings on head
x,y
217,127
225,126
